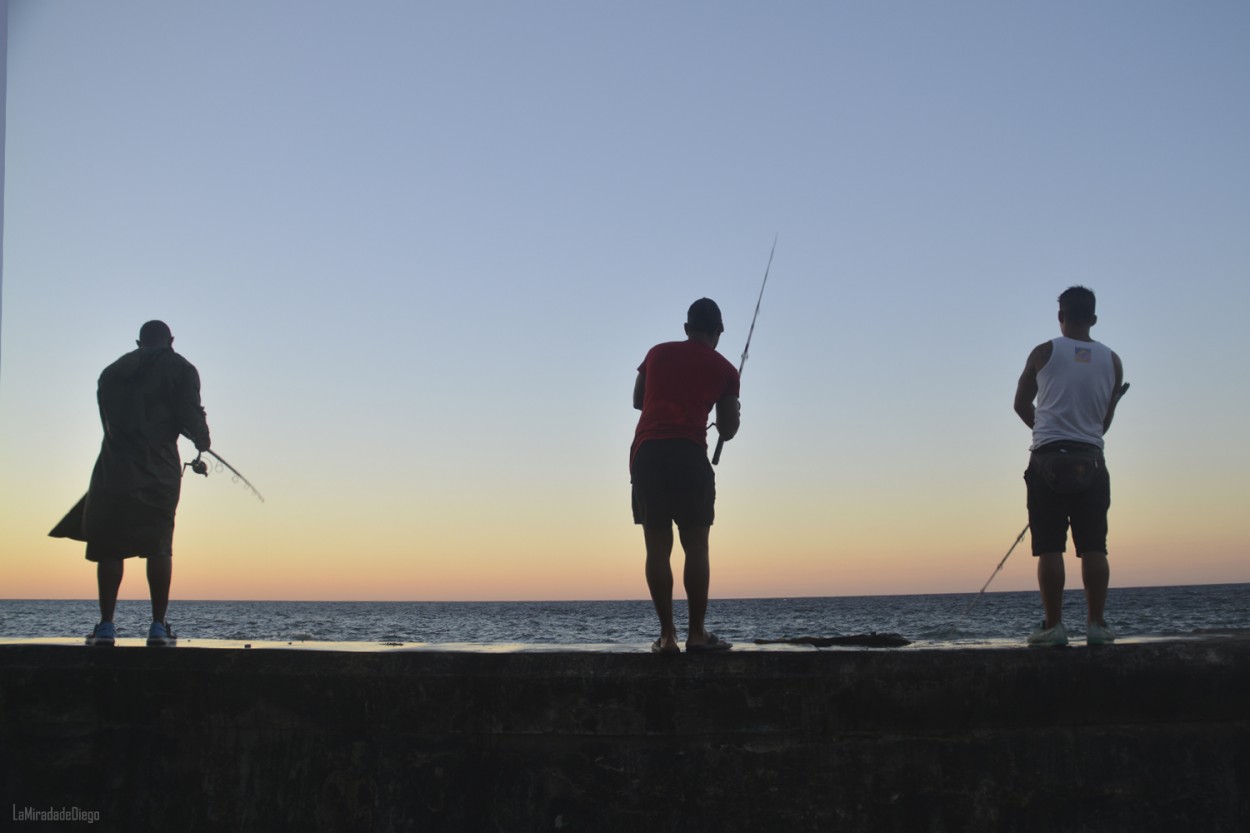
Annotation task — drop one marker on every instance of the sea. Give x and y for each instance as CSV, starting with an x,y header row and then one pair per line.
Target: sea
x,y
943,620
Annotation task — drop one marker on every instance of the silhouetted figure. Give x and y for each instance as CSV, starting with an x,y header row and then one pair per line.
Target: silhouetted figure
x,y
678,384
1076,383
147,399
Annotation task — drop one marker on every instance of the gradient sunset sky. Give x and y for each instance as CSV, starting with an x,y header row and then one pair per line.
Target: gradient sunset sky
x,y
417,251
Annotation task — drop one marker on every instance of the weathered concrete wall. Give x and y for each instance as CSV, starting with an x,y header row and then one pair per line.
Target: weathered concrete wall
x,y
1149,737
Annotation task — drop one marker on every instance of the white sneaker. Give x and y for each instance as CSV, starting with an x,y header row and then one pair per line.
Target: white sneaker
x,y
1045,637
1096,634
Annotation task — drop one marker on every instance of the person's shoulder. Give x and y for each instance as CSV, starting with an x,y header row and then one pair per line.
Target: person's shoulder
x,y
128,357
175,359
1039,356
664,347
706,352
177,368
123,365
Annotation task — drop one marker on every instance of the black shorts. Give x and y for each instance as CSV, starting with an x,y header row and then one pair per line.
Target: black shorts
x,y
673,483
1068,485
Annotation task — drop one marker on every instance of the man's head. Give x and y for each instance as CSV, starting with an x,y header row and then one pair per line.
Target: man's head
x,y
155,334
1076,305
703,319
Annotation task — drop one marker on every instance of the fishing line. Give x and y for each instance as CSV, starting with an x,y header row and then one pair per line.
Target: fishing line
x,y
720,442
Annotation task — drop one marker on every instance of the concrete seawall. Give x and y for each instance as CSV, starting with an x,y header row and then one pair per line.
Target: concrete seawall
x,y
1140,737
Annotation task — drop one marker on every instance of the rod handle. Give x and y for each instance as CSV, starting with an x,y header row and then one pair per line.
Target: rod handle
x,y
720,443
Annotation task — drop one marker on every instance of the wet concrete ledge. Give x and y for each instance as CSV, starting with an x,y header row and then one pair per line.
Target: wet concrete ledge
x,y
1143,737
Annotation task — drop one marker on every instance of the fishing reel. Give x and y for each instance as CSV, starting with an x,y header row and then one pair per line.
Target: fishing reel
x,y
197,465
200,467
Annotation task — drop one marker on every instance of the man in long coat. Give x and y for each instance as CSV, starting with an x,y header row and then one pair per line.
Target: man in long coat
x,y
147,398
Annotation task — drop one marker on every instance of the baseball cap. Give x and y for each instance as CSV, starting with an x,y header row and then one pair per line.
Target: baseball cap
x,y
704,316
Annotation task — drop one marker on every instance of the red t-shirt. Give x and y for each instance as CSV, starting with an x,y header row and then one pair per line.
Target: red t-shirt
x,y
684,380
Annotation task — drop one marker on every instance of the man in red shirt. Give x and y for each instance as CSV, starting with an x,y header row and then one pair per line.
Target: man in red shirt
x,y
678,384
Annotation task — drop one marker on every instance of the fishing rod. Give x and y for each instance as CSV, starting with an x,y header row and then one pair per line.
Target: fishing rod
x,y
720,442
200,467
1019,538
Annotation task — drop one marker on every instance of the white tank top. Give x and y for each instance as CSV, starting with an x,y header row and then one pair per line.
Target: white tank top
x,y
1073,393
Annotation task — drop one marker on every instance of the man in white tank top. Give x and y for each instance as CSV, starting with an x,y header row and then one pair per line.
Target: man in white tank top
x,y
1067,395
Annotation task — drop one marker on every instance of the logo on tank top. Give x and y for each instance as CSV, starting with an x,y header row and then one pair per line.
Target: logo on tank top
x,y
1084,355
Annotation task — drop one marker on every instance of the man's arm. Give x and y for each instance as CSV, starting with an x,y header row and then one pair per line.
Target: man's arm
x,y
728,416
192,421
640,389
1116,393
1026,388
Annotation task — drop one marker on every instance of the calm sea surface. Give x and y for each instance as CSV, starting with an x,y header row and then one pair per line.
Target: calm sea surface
x,y
935,620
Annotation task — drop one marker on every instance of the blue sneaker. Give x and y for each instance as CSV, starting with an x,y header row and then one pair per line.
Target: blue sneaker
x,y
161,635
103,634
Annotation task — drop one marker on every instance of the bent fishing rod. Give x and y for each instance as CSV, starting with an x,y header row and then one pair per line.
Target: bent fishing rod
x,y
200,467
720,442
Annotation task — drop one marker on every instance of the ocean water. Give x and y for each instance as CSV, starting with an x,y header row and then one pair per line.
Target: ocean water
x,y
959,619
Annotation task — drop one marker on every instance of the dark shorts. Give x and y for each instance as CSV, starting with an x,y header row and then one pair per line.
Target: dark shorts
x,y
673,483
1068,485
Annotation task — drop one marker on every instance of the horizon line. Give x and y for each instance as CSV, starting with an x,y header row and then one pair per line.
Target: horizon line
x,y
641,600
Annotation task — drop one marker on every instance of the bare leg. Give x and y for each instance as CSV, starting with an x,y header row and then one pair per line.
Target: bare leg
x,y
697,577
1096,573
160,571
659,540
1050,580
108,577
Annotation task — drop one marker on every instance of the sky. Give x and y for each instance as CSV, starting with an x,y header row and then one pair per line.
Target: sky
x,y
417,252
